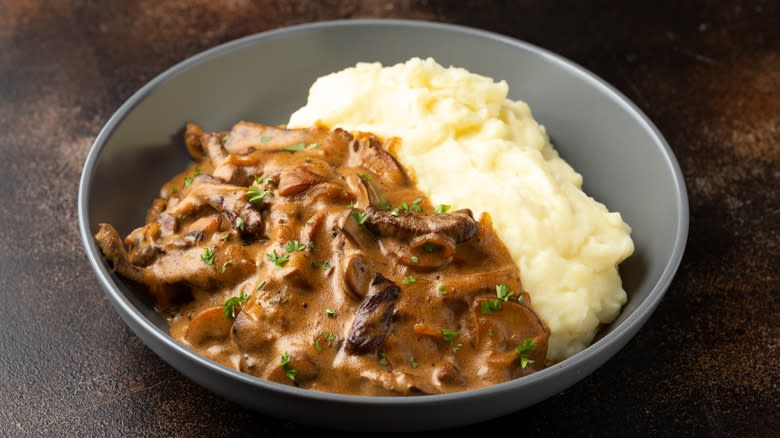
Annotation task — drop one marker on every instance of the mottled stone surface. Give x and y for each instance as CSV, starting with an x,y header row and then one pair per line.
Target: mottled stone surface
x,y
707,73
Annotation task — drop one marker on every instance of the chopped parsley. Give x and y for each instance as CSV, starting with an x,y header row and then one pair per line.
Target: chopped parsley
x,y
360,216
416,205
430,247
278,260
457,348
256,194
208,256
328,336
318,346
265,138
300,146
527,347
442,208
225,139
187,181
296,148
312,246
260,285
364,176
413,362
232,302
240,224
403,207
263,181
415,259
409,279
442,289
449,334
490,332
382,359
503,292
294,245
491,306
330,312
197,170
289,371
325,265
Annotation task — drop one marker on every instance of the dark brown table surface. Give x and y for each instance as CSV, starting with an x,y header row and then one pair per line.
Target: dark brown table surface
x,y
706,72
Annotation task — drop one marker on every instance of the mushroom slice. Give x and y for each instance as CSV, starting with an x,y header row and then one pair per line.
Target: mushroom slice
x,y
374,316
500,331
210,325
356,276
293,367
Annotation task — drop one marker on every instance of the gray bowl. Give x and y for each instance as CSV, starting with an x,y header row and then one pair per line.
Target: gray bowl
x,y
625,162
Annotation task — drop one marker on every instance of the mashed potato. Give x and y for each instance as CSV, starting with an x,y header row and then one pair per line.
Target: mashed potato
x,y
471,147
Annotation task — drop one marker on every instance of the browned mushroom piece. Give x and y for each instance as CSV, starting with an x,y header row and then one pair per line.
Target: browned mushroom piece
x,y
357,276
293,368
208,326
296,180
373,318
114,250
371,154
501,328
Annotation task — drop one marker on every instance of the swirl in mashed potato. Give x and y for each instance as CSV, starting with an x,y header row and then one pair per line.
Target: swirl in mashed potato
x,y
471,147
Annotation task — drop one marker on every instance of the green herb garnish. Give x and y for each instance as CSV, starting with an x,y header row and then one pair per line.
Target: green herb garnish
x,y
240,224
360,216
503,292
294,245
449,334
232,302
364,176
413,362
208,256
278,260
225,266
442,208
416,205
409,279
330,312
325,265
256,194
288,369
415,259
527,347
265,138
382,359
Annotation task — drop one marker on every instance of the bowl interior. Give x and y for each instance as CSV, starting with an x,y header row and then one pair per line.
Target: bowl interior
x,y
624,162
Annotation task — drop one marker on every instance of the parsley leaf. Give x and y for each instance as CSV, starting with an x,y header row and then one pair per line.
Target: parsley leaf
x,y
415,259
232,302
409,279
295,148
442,289
330,312
360,216
294,245
416,205
240,224
365,176
413,362
278,260
503,292
265,138
256,194
325,265
449,334
289,371
260,285
382,359
442,208
527,347
187,181
457,348
208,256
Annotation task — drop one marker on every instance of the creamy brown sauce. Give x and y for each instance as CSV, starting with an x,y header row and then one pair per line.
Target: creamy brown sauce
x,y
344,277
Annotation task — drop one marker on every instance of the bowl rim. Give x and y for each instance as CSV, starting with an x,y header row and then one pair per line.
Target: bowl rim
x,y
590,355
